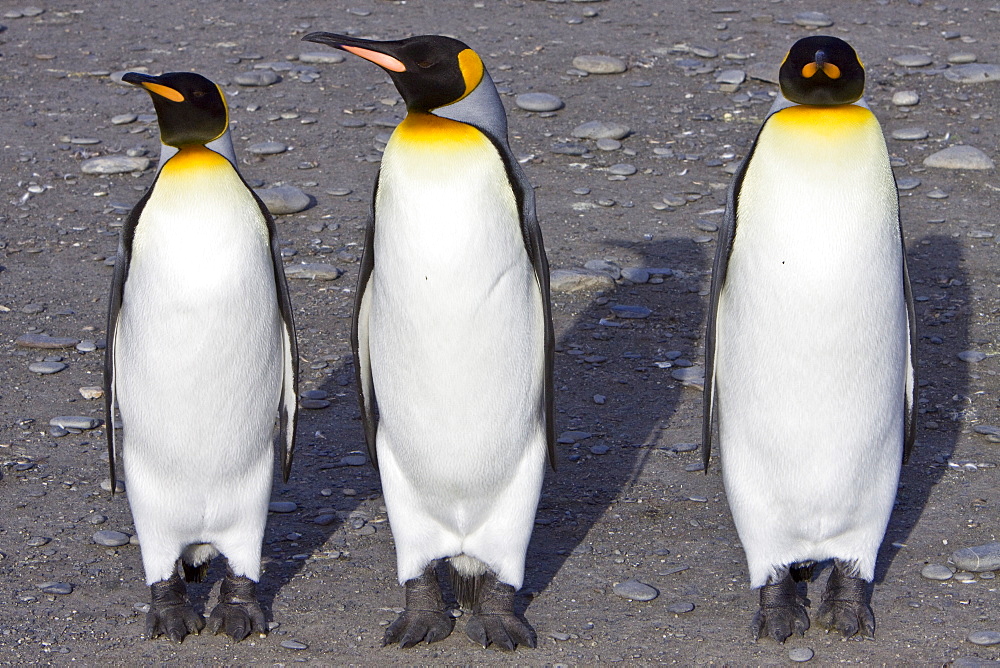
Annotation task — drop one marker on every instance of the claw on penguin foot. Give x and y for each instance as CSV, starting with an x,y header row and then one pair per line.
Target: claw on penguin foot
x,y
844,606
238,613
170,612
782,611
425,618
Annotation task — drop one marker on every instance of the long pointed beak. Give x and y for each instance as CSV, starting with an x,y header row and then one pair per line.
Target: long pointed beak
x,y
376,52
153,85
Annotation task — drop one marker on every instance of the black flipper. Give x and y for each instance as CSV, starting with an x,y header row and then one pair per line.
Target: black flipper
x,y
493,620
910,400
844,606
170,613
782,611
238,613
425,617
359,339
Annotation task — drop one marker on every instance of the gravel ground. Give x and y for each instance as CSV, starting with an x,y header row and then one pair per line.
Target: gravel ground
x,y
626,503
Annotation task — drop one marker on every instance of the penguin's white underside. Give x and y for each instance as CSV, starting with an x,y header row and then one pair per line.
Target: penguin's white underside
x,y
812,365
452,324
199,361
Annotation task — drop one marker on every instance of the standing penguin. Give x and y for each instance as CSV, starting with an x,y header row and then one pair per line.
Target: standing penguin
x,y
453,342
199,331
810,344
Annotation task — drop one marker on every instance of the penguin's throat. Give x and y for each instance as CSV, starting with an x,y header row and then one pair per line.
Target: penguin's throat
x,y
194,157
423,127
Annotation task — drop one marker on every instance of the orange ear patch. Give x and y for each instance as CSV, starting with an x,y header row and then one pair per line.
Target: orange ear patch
x,y
163,91
809,69
380,59
831,70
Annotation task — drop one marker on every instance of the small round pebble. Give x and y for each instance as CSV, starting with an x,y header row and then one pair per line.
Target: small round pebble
x,y
123,119
959,157
912,60
905,98
316,57
936,572
600,64
601,130
622,169
907,183
680,608
800,654
354,460
972,356
538,102
635,591
282,507
74,422
599,449
812,20
46,368
973,73
910,134
633,312
60,588
282,200
294,644
110,538
114,164
608,144
267,148
985,638
256,78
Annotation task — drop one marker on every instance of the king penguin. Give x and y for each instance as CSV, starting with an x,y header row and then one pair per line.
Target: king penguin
x,y
453,342
201,359
810,345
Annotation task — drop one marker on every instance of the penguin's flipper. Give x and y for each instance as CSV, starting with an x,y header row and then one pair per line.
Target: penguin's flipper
x,y
288,410
782,611
844,606
170,613
425,617
359,340
910,417
123,259
494,621
237,614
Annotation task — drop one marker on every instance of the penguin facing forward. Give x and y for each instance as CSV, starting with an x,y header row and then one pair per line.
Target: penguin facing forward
x,y
453,342
810,345
199,329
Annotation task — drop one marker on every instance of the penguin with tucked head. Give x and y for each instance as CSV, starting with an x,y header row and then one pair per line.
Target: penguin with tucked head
x,y
810,345
200,329
453,342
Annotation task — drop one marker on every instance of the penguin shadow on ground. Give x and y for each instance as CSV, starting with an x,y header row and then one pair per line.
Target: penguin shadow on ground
x,y
941,300
611,398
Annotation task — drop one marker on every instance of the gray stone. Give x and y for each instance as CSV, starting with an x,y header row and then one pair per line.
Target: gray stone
x,y
635,274
912,60
354,460
314,404
622,169
119,485
325,519
690,377
599,449
114,164
601,130
763,71
988,430
91,392
985,638
315,270
978,559
109,538
282,507
256,78
608,144
46,368
324,57
731,77
631,312
75,422
634,590
282,200
605,266
58,588
800,654
972,662
905,98
123,119
538,102
812,20
973,73
579,280
972,356
600,64
937,193
910,134
959,157
936,572
294,644
267,148
680,608
907,183
962,58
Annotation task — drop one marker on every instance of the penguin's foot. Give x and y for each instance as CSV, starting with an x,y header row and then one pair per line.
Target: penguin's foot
x,y
844,606
170,613
425,617
782,611
494,621
238,613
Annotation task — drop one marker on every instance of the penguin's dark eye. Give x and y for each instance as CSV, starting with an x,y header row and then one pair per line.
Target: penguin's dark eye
x,y
424,64
198,93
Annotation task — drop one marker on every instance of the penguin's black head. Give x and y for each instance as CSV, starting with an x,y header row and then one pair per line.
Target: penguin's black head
x,y
430,71
823,71
189,108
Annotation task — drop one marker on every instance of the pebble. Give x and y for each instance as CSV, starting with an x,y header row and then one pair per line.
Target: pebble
x,y
123,119
812,20
936,572
109,538
907,183
986,429
354,460
601,130
905,98
973,73
912,60
267,148
985,638
605,266
538,102
634,590
622,169
92,392
937,193
600,64
680,608
978,559
46,368
97,519
972,356
570,437
325,519
119,485
910,134
114,164
971,662
60,588
690,376
559,635
256,78
962,58
317,57
731,77
317,270
800,654
959,157
86,346
608,144
635,274
599,449
631,312
38,541
580,280
294,644
282,200
75,422
282,507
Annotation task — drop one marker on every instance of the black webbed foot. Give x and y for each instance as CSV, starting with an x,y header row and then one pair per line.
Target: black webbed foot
x,y
782,611
170,612
238,613
494,621
425,618
844,606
